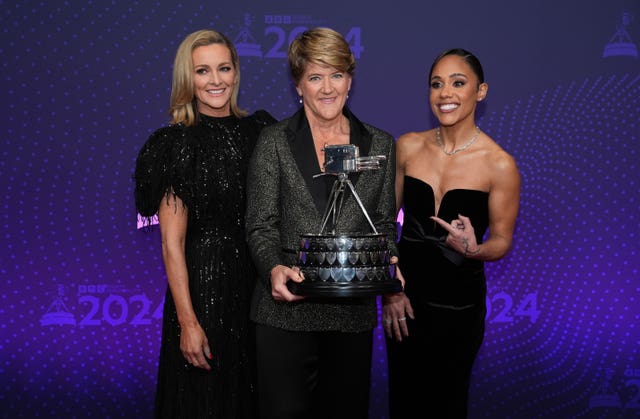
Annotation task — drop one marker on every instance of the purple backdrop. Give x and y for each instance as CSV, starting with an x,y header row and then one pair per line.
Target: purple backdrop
x,y
85,83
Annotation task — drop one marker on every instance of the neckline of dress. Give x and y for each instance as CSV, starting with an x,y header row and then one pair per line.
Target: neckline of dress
x,y
216,118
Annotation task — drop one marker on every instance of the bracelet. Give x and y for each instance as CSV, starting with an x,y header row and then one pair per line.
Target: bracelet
x,y
468,253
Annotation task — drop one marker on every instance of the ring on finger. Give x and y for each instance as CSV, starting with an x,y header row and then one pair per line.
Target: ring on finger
x,y
388,321
401,319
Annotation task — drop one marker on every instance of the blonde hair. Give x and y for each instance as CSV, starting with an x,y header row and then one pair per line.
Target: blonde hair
x,y
182,103
323,46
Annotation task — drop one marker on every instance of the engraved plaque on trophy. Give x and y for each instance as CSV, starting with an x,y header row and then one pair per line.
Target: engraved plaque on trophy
x,y
351,264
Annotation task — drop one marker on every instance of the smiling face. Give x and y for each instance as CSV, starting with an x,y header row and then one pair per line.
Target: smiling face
x,y
324,91
214,79
454,91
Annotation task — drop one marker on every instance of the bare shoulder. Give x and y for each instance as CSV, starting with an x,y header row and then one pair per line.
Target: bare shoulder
x,y
502,164
500,159
412,141
413,136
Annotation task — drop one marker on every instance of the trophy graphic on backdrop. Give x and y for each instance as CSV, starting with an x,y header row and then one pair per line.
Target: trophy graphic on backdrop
x,y
245,43
621,43
58,313
345,265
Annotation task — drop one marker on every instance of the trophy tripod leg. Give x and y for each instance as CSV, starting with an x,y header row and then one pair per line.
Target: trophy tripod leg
x,y
336,192
364,211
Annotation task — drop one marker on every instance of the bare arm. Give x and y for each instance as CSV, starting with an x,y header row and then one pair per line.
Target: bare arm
x,y
504,202
172,217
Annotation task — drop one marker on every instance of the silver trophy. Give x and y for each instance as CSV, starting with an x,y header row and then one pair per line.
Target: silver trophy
x,y
344,265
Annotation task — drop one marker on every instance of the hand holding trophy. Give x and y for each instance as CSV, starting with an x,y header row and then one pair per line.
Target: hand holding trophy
x,y
345,265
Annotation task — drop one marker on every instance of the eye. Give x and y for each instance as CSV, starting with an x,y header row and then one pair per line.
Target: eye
x,y
436,84
459,83
201,71
226,68
314,78
337,75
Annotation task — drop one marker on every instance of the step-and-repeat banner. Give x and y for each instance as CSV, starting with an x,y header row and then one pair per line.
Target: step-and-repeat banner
x,y
85,82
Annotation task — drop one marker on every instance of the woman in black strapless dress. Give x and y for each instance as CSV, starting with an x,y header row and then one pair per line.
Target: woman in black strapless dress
x,y
456,187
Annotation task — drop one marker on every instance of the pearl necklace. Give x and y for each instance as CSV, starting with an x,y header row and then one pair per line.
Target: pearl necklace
x,y
457,150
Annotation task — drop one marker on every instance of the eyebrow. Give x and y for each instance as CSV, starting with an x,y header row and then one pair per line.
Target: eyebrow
x,y
450,76
329,74
207,65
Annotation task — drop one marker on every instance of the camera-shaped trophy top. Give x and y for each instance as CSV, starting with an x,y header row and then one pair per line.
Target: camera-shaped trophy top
x,y
340,160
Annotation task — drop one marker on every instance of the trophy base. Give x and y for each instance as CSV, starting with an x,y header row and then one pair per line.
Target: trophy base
x,y
350,265
344,289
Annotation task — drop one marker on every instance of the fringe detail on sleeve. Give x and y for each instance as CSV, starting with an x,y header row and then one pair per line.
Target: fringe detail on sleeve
x,y
155,171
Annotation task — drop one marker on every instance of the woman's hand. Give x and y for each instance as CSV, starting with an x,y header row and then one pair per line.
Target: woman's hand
x,y
280,274
195,346
395,309
461,235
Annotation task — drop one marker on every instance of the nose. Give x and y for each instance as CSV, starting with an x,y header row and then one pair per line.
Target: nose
x,y
214,78
445,91
327,87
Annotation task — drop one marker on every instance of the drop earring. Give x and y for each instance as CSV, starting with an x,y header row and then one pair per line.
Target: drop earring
x,y
300,100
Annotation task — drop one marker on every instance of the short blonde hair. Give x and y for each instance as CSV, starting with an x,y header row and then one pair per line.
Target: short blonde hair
x,y
182,104
323,46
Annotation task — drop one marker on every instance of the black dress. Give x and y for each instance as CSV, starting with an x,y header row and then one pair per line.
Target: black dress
x,y
430,370
205,165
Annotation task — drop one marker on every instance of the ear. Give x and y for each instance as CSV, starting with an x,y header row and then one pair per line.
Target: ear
x,y
482,91
298,91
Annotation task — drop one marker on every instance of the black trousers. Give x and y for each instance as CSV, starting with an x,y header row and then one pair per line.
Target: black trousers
x,y
313,374
430,371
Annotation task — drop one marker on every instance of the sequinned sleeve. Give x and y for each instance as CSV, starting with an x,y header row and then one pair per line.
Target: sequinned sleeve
x,y
259,119
263,118
155,170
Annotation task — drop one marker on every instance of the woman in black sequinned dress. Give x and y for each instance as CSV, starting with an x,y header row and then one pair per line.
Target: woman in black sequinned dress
x,y
192,174
455,184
